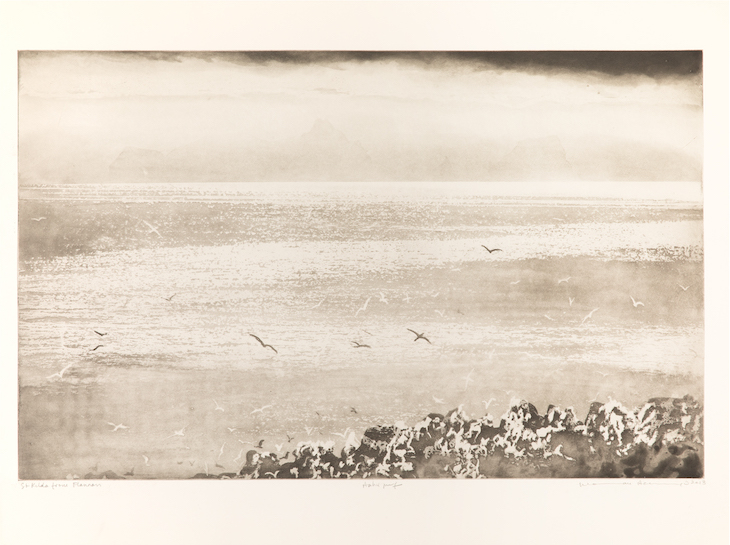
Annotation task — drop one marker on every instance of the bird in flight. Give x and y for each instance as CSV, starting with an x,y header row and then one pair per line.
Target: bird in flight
x,y
358,345
146,460
260,409
514,283
100,334
589,315
353,410
61,372
438,400
468,379
322,301
549,318
343,435
118,426
221,451
169,298
439,312
218,407
362,309
232,429
490,251
288,438
99,346
152,229
636,303
419,336
180,433
684,288
260,444
38,219
570,300
263,344
488,403
564,279
383,299
239,456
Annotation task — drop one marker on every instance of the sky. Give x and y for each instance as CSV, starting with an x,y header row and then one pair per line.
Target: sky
x,y
584,116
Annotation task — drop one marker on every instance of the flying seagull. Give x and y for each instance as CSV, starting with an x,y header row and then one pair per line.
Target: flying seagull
x,y
570,300
490,251
358,345
383,299
261,444
361,309
99,346
61,372
118,426
218,407
322,301
684,288
438,400
468,379
419,336
514,283
38,219
636,303
353,410
180,433
261,409
343,435
152,229
589,315
169,298
263,344
100,334
564,279
146,460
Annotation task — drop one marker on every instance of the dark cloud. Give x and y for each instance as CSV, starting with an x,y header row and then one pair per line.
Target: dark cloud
x,y
614,63
656,64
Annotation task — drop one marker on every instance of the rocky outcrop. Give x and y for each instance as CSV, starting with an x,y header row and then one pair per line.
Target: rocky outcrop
x,y
663,438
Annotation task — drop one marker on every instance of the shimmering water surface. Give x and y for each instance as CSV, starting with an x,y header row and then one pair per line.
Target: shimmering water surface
x,y
177,277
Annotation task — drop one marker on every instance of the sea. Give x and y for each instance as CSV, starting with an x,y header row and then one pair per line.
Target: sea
x,y
143,305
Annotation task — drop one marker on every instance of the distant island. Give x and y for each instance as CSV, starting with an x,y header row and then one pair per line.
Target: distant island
x,y
324,153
